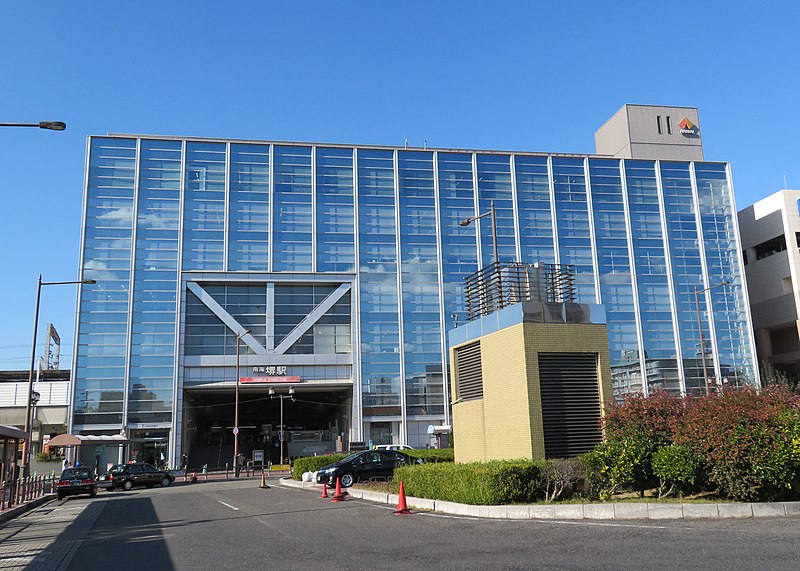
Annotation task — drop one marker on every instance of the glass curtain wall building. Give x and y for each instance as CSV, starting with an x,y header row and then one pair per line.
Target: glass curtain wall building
x,y
338,270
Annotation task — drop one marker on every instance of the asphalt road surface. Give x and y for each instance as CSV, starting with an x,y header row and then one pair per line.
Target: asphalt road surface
x,y
236,525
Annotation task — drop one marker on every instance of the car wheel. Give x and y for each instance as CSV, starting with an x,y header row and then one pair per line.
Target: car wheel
x,y
93,493
165,482
347,479
127,485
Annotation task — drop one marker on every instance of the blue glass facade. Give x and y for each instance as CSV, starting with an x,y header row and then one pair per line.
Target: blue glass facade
x,y
344,265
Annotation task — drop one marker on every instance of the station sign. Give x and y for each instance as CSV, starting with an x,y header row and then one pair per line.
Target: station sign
x,y
273,379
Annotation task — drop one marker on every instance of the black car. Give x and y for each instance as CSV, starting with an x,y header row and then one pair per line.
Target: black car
x,y
378,464
74,481
126,476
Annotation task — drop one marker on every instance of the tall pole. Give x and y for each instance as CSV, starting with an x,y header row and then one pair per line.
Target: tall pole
x,y
236,416
697,291
29,405
494,234
26,448
281,430
702,341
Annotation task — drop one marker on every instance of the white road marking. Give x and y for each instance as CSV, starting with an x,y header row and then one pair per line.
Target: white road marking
x,y
228,506
550,521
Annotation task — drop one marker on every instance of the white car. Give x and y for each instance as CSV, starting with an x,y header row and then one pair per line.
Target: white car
x,y
393,447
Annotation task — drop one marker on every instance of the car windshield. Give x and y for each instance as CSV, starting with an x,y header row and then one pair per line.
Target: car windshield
x,y
77,473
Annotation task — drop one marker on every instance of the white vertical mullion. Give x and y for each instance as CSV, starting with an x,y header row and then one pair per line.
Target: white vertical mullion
x,y
269,334
743,282
226,221
440,269
78,304
673,304
314,208
553,212
180,303
592,236
701,243
400,317
477,210
132,282
515,207
357,412
634,281
271,211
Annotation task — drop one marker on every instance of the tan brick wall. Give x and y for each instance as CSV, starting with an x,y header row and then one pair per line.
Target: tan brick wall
x,y
505,387
470,444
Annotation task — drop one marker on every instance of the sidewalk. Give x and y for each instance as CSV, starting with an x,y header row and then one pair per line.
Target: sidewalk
x,y
594,511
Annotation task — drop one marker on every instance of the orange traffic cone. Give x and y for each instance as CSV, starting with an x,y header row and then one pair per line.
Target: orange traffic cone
x,y
324,491
402,508
338,496
263,484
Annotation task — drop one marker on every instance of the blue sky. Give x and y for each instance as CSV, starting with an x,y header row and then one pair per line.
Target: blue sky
x,y
501,75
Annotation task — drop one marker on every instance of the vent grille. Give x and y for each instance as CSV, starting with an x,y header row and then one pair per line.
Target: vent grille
x,y
469,374
570,403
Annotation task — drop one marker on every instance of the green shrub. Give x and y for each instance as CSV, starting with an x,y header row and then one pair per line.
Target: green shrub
x,y
677,469
47,457
615,464
490,483
432,455
313,463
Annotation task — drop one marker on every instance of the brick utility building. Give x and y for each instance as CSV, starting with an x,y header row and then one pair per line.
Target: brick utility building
x,y
337,270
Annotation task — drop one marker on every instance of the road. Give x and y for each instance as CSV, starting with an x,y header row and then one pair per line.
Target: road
x,y
236,525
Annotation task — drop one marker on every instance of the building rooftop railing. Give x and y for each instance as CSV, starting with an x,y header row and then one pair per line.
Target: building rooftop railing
x,y
500,285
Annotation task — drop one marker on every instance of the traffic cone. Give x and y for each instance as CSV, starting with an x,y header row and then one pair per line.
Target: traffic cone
x,y
338,496
324,491
402,508
263,484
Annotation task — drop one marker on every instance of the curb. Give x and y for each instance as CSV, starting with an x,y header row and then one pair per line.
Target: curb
x,y
17,511
597,511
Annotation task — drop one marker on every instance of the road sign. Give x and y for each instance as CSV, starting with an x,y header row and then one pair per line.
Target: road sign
x,y
236,430
99,450
258,456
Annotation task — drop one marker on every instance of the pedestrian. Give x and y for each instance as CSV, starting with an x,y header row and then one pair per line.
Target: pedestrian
x,y
66,463
184,461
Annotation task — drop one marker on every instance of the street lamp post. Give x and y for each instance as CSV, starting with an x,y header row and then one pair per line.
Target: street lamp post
x,y
50,125
236,410
272,395
29,401
697,292
468,221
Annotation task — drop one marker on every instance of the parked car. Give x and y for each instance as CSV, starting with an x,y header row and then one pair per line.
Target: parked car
x,y
364,466
393,447
74,481
126,476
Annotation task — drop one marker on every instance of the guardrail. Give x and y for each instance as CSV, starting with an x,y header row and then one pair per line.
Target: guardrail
x,y
16,492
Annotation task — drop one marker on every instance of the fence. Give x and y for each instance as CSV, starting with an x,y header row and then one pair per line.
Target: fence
x,y
16,492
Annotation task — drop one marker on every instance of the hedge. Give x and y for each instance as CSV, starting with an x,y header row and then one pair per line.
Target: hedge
x,y
432,455
313,463
490,483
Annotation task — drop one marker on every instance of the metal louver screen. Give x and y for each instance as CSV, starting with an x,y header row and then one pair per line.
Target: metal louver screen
x,y
469,375
570,403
